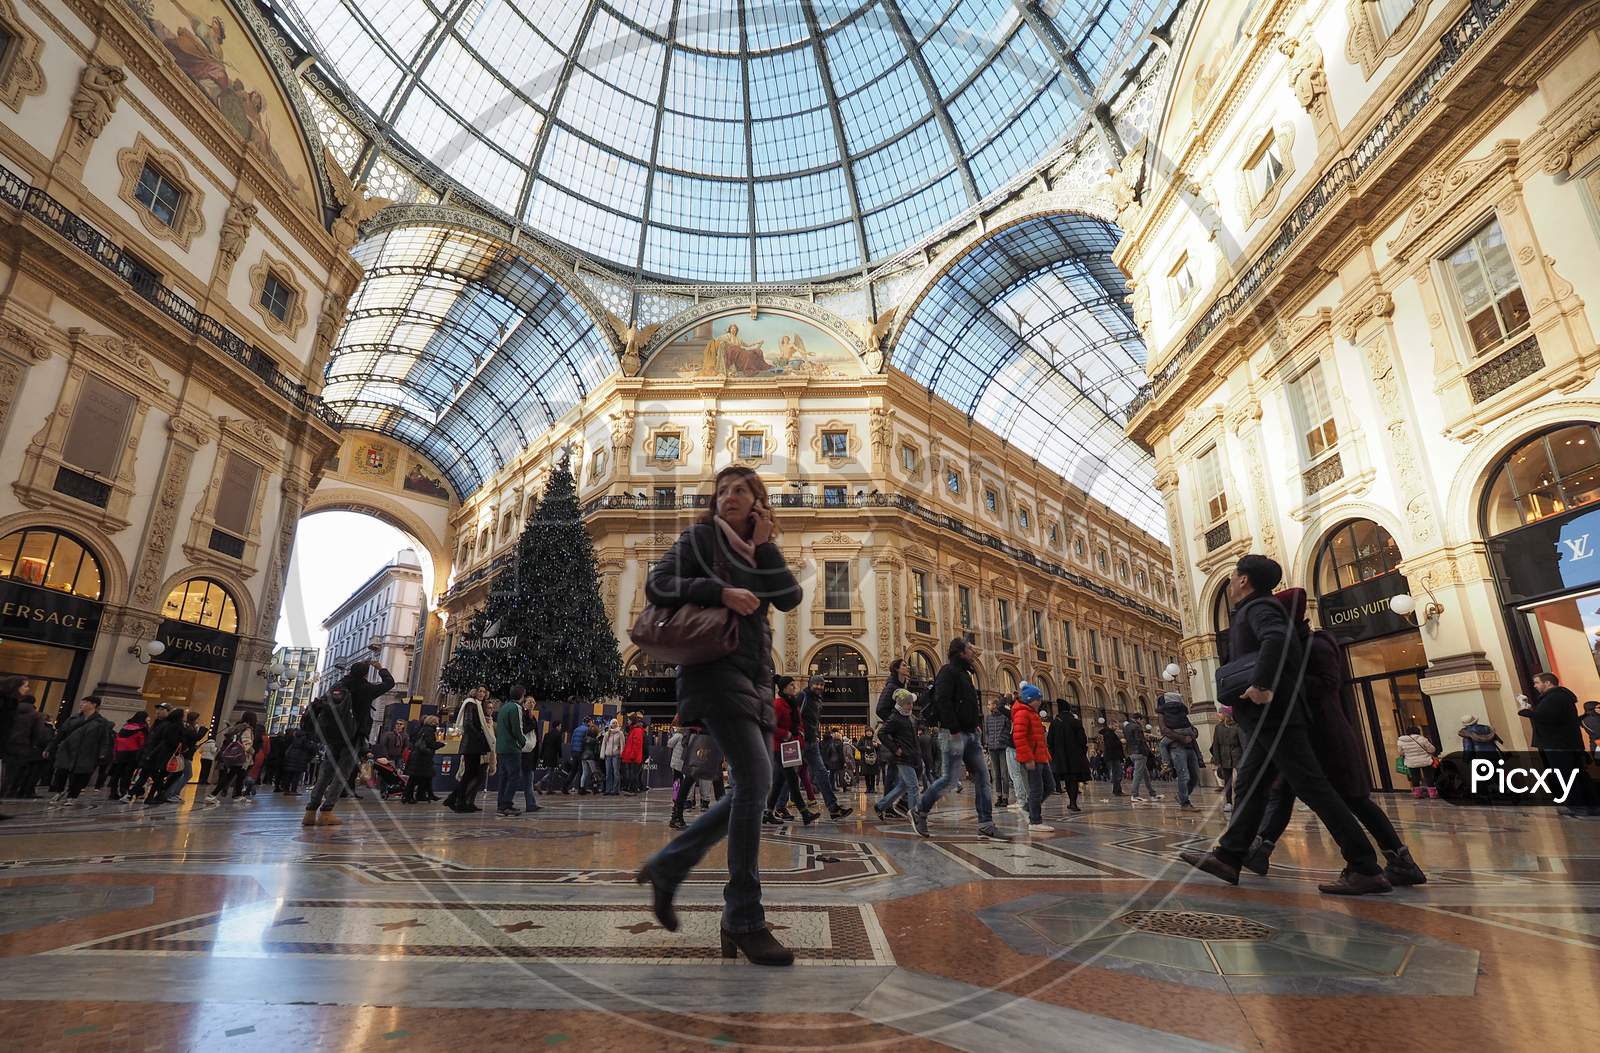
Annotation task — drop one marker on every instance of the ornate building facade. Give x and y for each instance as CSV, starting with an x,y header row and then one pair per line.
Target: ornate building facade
x,y
906,522
1364,243
169,289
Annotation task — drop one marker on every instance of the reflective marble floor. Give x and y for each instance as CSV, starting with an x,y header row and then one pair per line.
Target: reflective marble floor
x,y
231,928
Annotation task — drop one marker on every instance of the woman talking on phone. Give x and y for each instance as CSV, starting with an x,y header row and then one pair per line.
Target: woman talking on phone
x,y
729,558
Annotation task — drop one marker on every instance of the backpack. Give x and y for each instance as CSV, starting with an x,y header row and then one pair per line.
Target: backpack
x,y
232,753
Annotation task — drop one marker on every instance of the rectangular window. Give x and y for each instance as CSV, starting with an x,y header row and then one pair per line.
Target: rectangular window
x,y
1181,279
835,444
1066,640
952,482
1022,519
99,428
1314,411
1038,628
1211,493
991,500
1094,645
141,275
236,494
160,196
1138,660
964,602
597,464
1487,289
1116,651
908,457
836,585
834,496
1390,13
668,447
1007,636
752,445
276,296
919,593
1055,532
1263,169
666,496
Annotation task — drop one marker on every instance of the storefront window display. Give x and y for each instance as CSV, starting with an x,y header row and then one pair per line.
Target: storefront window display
x,y
50,592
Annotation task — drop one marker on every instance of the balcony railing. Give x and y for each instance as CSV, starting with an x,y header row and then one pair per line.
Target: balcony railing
x,y
33,202
1372,147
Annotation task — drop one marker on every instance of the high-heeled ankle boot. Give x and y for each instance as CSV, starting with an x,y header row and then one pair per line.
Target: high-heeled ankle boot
x,y
661,893
759,947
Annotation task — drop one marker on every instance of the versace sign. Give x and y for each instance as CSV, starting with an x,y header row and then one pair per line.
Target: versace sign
x,y
47,616
196,647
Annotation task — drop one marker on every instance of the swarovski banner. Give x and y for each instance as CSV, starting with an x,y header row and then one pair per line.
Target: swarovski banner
x,y
196,647
47,615
1361,611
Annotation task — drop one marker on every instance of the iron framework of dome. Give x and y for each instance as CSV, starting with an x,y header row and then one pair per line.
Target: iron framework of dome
x,y
730,141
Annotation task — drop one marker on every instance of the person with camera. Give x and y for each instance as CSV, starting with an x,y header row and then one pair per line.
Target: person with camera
x,y
729,559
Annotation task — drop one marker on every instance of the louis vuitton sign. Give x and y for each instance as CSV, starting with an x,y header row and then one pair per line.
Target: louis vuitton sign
x,y
196,647
47,615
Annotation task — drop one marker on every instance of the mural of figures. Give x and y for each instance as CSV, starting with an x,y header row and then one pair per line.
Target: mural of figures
x,y
214,50
420,479
769,345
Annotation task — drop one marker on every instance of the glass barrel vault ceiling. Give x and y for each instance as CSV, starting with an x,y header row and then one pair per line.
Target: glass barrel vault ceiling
x,y
1029,334
730,140
461,349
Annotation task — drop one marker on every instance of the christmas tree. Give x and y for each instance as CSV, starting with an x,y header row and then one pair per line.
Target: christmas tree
x,y
544,625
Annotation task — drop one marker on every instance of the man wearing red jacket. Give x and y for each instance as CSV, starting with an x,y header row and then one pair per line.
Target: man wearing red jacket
x,y
1027,733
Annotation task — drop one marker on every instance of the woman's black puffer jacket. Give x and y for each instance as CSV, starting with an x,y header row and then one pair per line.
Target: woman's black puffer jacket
x,y
741,682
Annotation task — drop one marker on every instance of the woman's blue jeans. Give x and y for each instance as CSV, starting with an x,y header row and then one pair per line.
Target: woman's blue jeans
x,y
736,816
613,773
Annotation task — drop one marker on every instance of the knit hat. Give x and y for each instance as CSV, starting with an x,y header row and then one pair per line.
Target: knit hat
x,y
1030,694
901,695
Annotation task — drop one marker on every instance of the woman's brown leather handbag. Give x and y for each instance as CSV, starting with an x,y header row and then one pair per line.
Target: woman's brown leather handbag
x,y
688,635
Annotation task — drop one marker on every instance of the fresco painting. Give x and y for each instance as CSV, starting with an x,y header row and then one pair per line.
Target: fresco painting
x,y
768,345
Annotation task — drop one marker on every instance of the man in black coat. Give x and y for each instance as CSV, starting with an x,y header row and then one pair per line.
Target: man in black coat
x,y
811,727
343,723
1111,750
885,709
1278,738
956,709
1558,736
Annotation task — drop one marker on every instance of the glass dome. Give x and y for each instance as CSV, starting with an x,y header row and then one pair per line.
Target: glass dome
x,y
730,140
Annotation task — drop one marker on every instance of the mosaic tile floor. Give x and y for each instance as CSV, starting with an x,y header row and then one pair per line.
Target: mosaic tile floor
x,y
232,928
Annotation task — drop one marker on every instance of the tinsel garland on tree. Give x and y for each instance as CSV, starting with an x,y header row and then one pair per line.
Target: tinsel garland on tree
x,y
544,625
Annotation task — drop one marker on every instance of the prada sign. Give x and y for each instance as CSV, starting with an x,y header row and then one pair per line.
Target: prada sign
x,y
196,647
47,616
1361,611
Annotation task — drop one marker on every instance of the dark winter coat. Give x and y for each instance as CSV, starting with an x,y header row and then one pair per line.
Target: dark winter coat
x,y
899,740
885,707
474,734
1175,725
297,754
424,744
579,733
1555,721
1069,747
1133,738
997,730
508,734
811,715
1333,735
82,743
741,683
955,705
391,744
550,749
1260,626
30,733
361,695
1227,748
166,735
1110,745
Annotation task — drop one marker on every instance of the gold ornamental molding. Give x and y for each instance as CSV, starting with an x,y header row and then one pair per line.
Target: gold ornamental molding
x,y
21,76
188,222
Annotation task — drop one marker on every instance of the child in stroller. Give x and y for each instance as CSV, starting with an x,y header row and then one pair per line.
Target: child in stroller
x,y
388,780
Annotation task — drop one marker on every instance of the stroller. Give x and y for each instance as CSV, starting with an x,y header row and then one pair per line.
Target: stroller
x,y
388,780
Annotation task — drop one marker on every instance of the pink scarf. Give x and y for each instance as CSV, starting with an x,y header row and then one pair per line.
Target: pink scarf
x,y
742,548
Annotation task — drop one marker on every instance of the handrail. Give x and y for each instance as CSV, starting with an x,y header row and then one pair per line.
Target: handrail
x,y
34,202
1340,174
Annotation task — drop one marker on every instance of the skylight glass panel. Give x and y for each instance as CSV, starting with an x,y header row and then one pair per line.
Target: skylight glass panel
x,y
576,221
480,99
620,121
794,144
909,221
904,165
508,43
709,25
559,22
811,200
1045,122
884,108
691,144
571,162
862,50
706,86
701,204
784,257
784,83
772,24
964,42
697,256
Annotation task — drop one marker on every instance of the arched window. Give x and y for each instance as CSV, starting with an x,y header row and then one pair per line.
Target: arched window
x,y
1358,551
642,665
1219,621
1074,696
838,660
201,601
919,667
1009,681
1545,476
51,560
1045,686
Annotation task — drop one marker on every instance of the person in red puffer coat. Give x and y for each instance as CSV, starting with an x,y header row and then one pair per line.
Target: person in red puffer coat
x,y
125,753
633,759
1027,733
785,781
